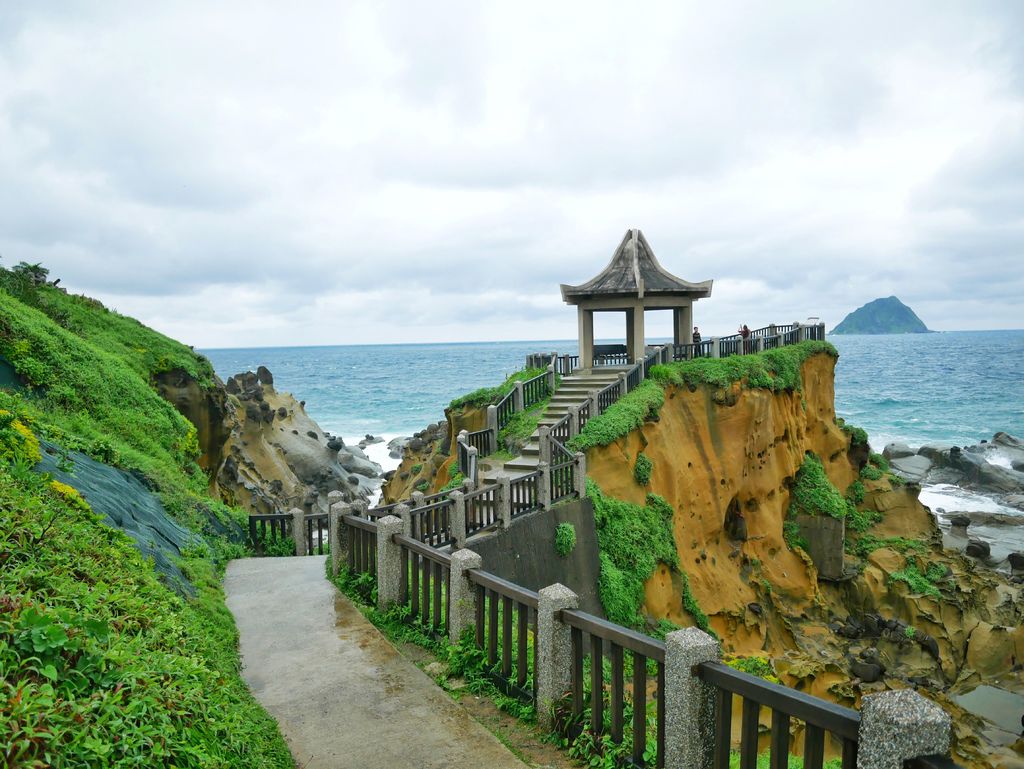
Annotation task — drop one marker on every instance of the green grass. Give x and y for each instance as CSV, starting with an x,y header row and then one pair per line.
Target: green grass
x,y
102,665
858,435
642,469
621,418
814,494
565,539
866,544
522,425
774,370
632,541
485,396
923,583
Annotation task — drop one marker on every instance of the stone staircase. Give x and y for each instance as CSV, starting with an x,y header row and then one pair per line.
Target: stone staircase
x,y
573,390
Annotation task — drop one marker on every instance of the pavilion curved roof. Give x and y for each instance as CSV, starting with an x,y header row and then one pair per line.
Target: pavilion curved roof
x,y
634,272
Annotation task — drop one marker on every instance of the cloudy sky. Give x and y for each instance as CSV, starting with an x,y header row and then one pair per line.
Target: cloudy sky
x,y
239,174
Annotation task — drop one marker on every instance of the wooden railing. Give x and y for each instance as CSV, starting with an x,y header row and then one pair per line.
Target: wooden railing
x,y
431,523
566,364
505,616
317,523
584,413
425,585
506,408
535,390
524,494
482,441
626,650
608,396
562,478
481,508
819,717
362,545
268,527
612,359
467,459
561,430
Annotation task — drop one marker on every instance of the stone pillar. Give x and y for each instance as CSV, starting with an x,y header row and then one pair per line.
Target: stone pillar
x,y
492,425
553,649
715,352
581,474
689,702
417,500
517,397
821,332
544,432
462,599
574,421
298,530
457,521
551,375
585,320
623,385
630,334
595,407
338,534
474,464
544,486
758,344
798,332
635,337
389,562
682,324
404,512
897,725
505,501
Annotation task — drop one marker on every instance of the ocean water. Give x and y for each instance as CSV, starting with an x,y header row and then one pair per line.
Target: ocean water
x,y
954,387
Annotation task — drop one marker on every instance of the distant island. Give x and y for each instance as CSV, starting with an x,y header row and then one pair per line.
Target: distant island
x,y
882,316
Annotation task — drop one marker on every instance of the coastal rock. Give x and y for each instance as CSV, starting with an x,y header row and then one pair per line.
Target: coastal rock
x,y
912,468
977,548
1007,441
358,465
264,376
868,672
938,453
959,521
897,451
396,445
1016,561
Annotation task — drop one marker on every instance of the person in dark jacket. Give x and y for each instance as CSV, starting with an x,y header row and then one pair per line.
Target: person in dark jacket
x,y
696,342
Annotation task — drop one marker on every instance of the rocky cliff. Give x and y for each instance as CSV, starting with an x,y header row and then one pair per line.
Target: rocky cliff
x,y
726,459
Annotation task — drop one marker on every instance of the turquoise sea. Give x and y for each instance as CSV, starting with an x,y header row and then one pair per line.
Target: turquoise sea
x,y
957,387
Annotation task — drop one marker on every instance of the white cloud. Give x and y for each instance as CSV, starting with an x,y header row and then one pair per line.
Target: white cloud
x,y
241,174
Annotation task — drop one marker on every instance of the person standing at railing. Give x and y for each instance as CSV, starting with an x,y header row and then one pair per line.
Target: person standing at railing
x,y
696,342
744,333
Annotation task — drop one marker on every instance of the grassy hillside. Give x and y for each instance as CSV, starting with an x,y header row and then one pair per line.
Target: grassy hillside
x,y
101,665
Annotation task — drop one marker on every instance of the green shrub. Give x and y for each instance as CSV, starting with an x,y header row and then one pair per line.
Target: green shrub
x,y
485,396
642,469
858,435
910,632
415,469
923,583
814,494
755,666
422,485
621,418
878,461
791,534
855,493
870,473
775,370
866,544
693,608
521,426
565,538
632,541
455,480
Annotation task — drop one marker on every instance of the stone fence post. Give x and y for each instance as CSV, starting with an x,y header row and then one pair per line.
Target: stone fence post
x,y
544,432
715,350
474,464
462,598
623,384
551,374
457,521
758,345
338,533
574,421
517,397
544,486
581,474
689,701
798,332
492,425
821,332
897,725
553,649
417,499
389,562
404,512
298,530
505,501
595,407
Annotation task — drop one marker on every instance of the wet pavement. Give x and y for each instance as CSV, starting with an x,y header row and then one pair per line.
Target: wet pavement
x,y
343,696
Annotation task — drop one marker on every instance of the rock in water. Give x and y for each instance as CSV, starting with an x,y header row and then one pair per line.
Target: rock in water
x,y
913,468
897,451
882,316
977,548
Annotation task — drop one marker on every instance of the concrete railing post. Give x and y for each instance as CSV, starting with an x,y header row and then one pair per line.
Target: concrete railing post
x,y
551,374
623,384
517,397
404,512
338,533
298,530
897,725
759,344
462,599
505,501
574,421
474,464
389,562
689,701
545,443
554,649
798,332
581,474
595,406
417,500
715,350
821,332
544,486
457,520
492,425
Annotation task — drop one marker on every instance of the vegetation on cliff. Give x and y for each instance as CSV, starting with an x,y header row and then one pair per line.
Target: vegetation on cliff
x,y
882,316
103,665
623,416
488,395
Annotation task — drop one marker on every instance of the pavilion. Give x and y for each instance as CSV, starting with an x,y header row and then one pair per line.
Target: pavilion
x,y
633,282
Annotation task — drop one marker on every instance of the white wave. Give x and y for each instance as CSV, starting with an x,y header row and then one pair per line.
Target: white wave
x,y
950,498
379,453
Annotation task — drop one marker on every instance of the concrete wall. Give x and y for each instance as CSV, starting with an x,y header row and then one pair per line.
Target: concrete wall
x,y
525,552
825,539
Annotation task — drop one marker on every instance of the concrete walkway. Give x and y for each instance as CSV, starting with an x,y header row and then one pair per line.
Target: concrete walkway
x,y
343,696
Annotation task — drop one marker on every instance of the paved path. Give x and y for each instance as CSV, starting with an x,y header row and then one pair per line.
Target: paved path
x,y
343,695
